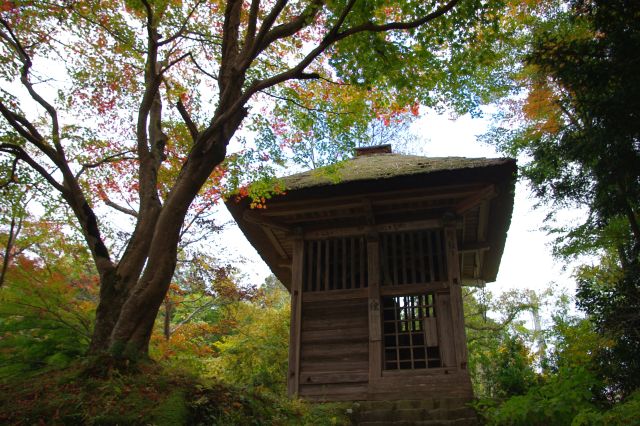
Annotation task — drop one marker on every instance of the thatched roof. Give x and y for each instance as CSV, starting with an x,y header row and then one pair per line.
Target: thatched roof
x,y
384,166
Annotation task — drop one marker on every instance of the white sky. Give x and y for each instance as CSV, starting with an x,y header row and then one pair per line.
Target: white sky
x,y
526,263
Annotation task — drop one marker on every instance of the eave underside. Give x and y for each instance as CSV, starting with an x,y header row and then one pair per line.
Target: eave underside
x,y
468,206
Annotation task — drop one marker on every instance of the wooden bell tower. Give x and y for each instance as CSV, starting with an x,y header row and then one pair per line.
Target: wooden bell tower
x,y
375,261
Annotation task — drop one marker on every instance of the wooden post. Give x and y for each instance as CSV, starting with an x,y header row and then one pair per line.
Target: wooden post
x,y
375,331
297,267
457,313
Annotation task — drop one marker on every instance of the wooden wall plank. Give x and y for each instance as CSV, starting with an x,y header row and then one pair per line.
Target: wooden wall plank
x,y
375,329
297,267
335,295
408,289
338,377
445,330
431,331
357,335
457,314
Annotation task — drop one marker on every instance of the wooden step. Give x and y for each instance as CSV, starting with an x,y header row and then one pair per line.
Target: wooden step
x,y
432,411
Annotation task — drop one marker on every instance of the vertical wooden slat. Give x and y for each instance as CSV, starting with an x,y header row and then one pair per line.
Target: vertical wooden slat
x,y
318,265
397,329
431,256
375,330
412,258
423,272
297,265
352,263
327,253
361,264
410,325
403,254
394,251
431,331
441,259
457,314
309,284
344,283
384,259
336,275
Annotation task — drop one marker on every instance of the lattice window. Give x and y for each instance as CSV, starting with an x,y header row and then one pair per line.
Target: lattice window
x,y
335,264
415,257
410,332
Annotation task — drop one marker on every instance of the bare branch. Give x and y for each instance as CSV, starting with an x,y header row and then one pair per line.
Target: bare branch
x,y
120,208
26,130
172,63
371,27
193,314
250,34
193,129
202,70
12,177
109,159
298,104
291,27
183,27
24,156
267,23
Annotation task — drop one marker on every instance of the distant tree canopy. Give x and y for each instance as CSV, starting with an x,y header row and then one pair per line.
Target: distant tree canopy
x,y
580,127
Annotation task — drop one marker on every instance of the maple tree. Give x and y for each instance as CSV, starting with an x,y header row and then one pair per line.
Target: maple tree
x,y
134,104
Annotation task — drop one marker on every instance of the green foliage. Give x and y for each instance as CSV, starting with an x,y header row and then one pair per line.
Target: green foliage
x,y
611,296
46,316
500,363
577,128
556,402
512,367
626,413
255,354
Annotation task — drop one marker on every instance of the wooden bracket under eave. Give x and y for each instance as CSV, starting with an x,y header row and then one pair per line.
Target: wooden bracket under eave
x,y
276,243
258,219
468,203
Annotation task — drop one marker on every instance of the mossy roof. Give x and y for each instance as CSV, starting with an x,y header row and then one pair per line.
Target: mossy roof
x,y
383,166
380,173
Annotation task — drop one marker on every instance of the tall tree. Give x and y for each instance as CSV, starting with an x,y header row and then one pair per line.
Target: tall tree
x,y
134,103
580,125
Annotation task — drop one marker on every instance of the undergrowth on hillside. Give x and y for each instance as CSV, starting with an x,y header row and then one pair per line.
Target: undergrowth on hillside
x,y
150,396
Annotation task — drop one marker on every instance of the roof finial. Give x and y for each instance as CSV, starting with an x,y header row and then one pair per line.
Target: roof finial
x,y
373,150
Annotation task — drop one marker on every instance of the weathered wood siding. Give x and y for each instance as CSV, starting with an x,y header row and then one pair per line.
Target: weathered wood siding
x,y
340,287
334,356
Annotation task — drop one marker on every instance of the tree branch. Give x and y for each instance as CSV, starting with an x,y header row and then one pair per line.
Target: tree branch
x,y
109,159
20,153
371,27
334,35
193,129
298,104
282,31
118,207
250,34
183,27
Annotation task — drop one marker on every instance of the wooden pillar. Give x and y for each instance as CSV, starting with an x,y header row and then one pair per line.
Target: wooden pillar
x,y
297,266
457,313
375,331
